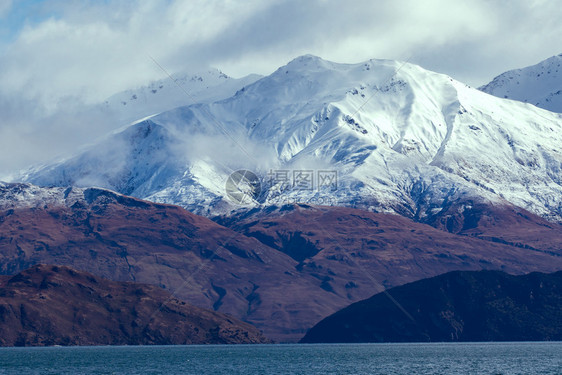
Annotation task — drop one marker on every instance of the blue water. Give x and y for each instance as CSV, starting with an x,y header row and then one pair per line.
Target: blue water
x,y
471,358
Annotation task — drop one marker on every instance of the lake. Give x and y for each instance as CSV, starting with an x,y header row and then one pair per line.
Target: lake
x,y
449,358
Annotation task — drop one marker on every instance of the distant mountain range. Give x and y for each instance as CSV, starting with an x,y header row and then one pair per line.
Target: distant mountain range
x,y
399,138
457,306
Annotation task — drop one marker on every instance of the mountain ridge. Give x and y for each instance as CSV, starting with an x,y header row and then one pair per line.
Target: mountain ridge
x,y
178,90
400,138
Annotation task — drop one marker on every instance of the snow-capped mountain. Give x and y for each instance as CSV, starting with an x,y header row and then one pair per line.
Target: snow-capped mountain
x,y
396,137
165,94
539,84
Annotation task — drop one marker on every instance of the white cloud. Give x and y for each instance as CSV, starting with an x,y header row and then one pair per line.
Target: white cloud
x,y
5,7
82,52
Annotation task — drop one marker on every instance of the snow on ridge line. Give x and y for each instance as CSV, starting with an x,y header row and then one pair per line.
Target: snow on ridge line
x,y
21,195
539,84
165,94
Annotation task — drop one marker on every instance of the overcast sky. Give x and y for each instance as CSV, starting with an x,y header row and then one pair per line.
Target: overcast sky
x,y
58,56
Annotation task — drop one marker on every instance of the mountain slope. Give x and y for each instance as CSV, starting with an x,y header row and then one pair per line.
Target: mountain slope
x,y
280,269
399,138
354,252
539,84
125,239
53,305
458,306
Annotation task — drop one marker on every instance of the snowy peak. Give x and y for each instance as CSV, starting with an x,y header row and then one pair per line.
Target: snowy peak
x,y
307,62
168,93
195,82
370,102
540,84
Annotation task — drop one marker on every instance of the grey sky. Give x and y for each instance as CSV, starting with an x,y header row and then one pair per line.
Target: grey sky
x,y
58,56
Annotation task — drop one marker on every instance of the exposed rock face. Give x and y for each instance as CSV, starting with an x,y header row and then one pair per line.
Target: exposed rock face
x,y
56,305
457,306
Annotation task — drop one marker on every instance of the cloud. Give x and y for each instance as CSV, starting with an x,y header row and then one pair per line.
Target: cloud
x,y
65,56
5,7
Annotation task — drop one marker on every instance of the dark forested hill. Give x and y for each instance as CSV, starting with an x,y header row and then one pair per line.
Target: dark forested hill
x,y
457,306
